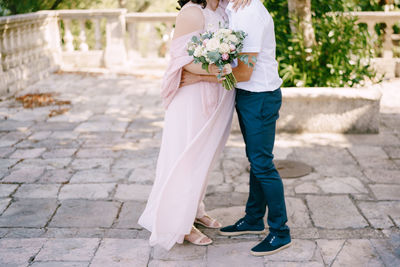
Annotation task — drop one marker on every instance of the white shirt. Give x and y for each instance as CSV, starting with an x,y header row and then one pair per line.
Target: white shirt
x,y
256,21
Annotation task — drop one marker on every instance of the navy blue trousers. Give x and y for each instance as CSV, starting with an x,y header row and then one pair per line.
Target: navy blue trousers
x,y
258,113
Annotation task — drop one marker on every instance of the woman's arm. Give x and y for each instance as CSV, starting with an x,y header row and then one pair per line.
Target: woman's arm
x,y
190,20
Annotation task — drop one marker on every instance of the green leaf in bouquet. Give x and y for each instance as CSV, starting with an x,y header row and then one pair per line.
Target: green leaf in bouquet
x,y
195,39
213,56
204,60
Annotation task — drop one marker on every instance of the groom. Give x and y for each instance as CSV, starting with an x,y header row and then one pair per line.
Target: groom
x,y
258,100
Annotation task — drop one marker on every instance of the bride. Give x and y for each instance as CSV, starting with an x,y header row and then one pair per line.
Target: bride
x,y
196,127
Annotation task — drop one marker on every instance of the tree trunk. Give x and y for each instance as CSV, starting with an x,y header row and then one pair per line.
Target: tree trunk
x,y
300,12
56,4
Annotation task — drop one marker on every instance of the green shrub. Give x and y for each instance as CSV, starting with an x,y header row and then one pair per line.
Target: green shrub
x,y
340,57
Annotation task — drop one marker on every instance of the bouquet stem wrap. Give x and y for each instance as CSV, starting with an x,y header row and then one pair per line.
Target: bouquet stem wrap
x,y
230,82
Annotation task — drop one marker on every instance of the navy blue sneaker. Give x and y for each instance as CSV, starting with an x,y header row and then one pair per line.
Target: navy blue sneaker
x,y
270,245
241,227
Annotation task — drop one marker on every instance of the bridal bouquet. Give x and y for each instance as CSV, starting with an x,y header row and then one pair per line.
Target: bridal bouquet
x,y
220,48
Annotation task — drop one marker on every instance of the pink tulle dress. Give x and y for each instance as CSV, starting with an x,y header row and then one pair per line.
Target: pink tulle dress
x,y
196,127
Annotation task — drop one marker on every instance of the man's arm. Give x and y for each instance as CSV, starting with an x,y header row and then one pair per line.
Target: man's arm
x,y
243,72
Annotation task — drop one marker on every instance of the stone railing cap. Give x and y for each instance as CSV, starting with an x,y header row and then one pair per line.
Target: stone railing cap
x,y
65,13
371,92
162,16
27,17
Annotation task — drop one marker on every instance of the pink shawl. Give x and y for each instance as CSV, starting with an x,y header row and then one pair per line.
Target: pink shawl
x,y
172,77
179,58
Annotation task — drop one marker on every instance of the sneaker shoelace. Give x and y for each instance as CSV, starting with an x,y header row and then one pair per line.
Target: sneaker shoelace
x,y
240,223
272,240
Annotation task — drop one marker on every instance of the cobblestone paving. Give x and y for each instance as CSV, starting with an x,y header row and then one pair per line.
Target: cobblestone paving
x,y
73,186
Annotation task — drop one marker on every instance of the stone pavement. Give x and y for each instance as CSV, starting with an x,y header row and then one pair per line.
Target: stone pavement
x,y
72,186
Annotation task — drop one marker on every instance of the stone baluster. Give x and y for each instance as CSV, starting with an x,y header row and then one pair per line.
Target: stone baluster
x,y
3,80
4,51
115,52
388,43
52,37
12,56
371,28
82,36
97,34
31,53
37,41
7,49
18,46
17,54
133,39
1,50
68,37
25,44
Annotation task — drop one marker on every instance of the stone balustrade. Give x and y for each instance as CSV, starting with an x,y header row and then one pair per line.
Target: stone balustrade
x,y
28,49
108,54
374,18
122,47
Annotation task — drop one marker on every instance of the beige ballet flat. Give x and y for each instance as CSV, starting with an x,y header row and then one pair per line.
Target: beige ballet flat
x,y
214,223
198,240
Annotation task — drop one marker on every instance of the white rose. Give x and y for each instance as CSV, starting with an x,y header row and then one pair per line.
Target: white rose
x,y
191,46
233,38
198,52
224,48
213,44
224,32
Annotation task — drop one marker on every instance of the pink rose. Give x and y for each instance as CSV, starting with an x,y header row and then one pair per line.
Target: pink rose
x,y
225,56
233,47
205,41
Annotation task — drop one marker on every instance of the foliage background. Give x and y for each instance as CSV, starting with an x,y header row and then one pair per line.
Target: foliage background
x,y
341,55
